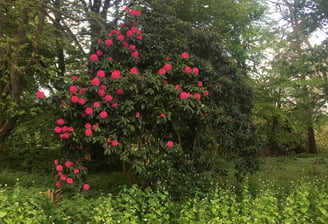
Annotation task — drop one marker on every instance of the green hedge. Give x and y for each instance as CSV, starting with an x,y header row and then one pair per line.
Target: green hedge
x,y
306,203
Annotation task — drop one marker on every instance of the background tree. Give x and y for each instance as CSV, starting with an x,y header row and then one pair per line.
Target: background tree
x,y
296,86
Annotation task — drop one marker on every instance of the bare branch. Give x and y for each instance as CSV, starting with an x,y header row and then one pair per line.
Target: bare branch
x,y
72,17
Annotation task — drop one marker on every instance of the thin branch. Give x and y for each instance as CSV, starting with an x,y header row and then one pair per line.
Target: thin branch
x,y
70,33
76,19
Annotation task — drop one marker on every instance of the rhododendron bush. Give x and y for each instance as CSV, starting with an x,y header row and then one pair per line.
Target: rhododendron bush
x,y
135,111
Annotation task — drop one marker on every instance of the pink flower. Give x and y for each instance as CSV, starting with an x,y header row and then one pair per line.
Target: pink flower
x,y
82,90
110,58
114,105
58,184
95,126
116,32
87,125
96,104
94,57
115,74
99,52
135,13
187,69
57,130
126,9
200,83
134,70
137,115
135,30
73,89
135,54
68,164
95,82
70,129
40,95
56,162
184,55
59,168
64,129
161,71
74,99
63,177
162,115
81,101
74,78
103,114
165,82
169,144
125,44
69,180
205,92
120,91
168,67
101,93
86,187
101,73
167,59
184,95
60,122
88,111
139,37
88,132
132,47
103,87
108,98
195,70
197,95
115,143
64,135
108,42
99,41
178,87
63,105
120,37
76,171
129,33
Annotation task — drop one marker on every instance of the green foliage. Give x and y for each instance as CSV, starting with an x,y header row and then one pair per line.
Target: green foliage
x,y
176,173
21,205
305,203
30,146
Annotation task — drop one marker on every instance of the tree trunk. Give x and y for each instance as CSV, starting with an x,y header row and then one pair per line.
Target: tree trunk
x,y
5,130
311,141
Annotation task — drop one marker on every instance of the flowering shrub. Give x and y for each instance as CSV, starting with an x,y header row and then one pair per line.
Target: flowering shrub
x,y
135,112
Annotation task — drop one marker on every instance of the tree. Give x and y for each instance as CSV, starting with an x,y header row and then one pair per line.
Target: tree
x,y
21,29
297,84
32,59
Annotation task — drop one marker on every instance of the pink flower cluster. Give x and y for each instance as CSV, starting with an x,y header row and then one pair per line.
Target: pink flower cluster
x,y
40,94
195,70
112,142
63,131
67,173
90,128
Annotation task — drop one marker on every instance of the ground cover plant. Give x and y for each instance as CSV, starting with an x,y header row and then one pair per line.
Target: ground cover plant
x,y
304,203
271,196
